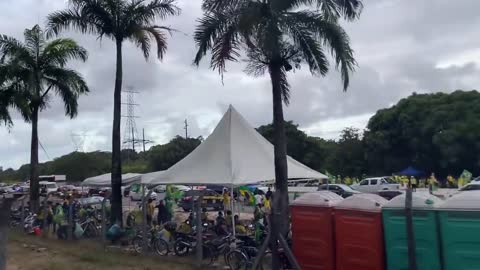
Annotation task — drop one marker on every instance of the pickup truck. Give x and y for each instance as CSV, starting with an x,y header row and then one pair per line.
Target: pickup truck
x,y
376,184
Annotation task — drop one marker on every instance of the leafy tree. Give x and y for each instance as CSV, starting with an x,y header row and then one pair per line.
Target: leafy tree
x,y
277,35
162,157
348,158
433,132
118,20
33,70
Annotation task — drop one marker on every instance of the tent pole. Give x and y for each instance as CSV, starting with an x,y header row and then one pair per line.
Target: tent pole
x,y
231,206
199,231
144,219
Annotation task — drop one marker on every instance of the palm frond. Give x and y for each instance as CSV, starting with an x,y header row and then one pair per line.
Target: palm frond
x,y
283,84
159,37
225,49
332,36
86,16
140,38
34,40
68,84
208,31
332,9
60,51
12,48
221,5
257,65
307,43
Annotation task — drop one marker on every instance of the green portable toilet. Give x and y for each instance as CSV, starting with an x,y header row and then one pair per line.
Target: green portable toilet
x,y
459,220
425,228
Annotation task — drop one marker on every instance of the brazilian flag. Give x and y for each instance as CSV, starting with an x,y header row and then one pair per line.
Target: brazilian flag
x,y
245,192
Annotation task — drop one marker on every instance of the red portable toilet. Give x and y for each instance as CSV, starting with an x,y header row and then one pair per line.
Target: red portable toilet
x,y
359,233
312,230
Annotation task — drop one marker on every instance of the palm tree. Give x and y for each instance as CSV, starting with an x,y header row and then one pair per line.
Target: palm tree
x,y
277,36
30,73
118,20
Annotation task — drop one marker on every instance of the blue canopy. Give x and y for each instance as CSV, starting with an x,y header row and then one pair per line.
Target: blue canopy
x,y
411,171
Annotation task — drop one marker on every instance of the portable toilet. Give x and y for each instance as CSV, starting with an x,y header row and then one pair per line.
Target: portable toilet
x,y
359,233
312,230
459,221
427,244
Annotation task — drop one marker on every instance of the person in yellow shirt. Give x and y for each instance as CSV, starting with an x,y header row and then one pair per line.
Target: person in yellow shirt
x,y
150,211
239,227
226,200
413,183
432,181
267,206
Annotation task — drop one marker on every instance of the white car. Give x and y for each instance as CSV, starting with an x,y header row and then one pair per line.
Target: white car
x,y
137,196
48,187
376,184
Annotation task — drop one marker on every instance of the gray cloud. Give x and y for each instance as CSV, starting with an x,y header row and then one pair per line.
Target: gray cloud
x,y
399,46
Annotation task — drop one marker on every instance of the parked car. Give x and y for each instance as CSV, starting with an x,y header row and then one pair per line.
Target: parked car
x,y
211,199
48,187
339,189
92,201
137,195
470,186
376,184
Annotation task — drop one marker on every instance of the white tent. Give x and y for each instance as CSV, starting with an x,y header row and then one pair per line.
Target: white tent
x,y
105,180
234,154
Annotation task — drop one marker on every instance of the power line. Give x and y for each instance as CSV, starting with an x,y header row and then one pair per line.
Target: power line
x,y
45,151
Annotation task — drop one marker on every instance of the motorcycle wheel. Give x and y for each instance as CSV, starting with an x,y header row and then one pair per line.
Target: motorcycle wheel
x,y
181,249
208,255
161,247
137,243
237,260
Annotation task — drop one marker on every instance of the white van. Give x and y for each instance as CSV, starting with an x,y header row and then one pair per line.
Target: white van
x,y
48,187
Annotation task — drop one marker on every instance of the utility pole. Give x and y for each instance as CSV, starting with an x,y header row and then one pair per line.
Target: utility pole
x,y
186,129
133,139
144,142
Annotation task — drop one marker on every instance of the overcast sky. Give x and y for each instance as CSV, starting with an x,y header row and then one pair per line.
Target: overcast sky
x,y
401,47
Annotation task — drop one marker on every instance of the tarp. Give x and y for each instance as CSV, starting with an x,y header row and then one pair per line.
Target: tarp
x,y
105,180
410,171
234,154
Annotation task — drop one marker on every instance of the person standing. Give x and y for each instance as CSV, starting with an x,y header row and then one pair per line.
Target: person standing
x,y
150,211
162,215
169,206
413,182
269,194
226,200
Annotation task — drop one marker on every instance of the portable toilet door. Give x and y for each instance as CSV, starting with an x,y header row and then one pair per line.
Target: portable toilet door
x,y
427,243
359,233
459,221
312,230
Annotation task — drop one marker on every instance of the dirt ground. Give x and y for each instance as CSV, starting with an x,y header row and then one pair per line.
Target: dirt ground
x,y
35,253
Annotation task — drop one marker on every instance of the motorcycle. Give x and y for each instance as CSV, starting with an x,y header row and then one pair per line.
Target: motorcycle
x,y
30,224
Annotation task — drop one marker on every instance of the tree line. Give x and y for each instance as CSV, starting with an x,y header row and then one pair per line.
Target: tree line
x,y
432,132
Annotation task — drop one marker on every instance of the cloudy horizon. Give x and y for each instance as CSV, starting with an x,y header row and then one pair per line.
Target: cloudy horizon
x,y
401,47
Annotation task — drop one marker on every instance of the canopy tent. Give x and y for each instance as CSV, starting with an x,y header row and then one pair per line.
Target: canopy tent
x,y
411,171
105,180
234,154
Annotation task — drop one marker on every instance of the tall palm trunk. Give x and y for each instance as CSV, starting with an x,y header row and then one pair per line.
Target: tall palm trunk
x,y
280,146
34,184
116,213
280,219
4,229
